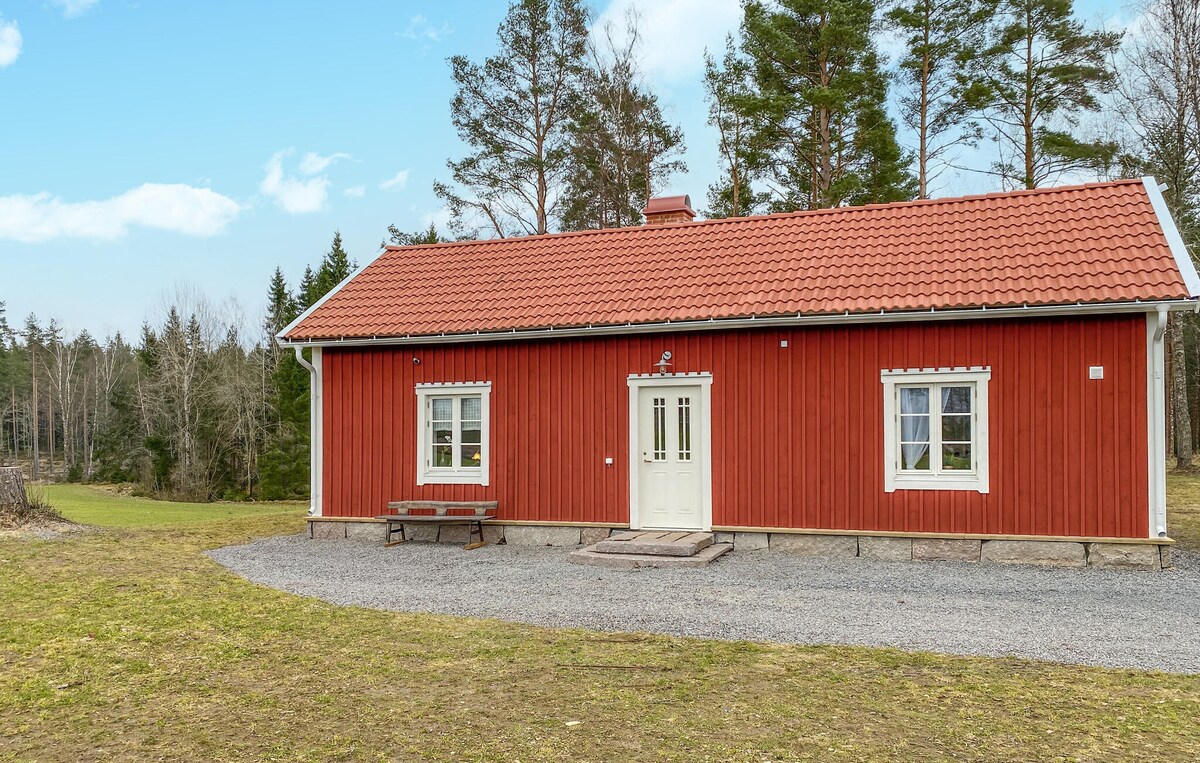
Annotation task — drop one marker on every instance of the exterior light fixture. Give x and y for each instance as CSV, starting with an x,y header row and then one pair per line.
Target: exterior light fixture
x,y
664,363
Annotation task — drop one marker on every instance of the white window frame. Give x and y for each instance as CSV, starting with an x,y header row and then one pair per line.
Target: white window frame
x,y
895,478
427,474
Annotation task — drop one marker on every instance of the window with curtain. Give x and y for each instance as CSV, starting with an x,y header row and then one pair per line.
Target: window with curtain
x,y
936,429
452,433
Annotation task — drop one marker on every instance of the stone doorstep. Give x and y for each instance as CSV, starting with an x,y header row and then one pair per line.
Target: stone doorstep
x,y
688,545
588,556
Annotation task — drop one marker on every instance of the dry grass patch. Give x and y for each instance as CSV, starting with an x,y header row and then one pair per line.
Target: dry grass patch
x,y
131,644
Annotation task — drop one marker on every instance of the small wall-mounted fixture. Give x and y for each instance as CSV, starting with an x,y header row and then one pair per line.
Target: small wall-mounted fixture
x,y
608,461
664,362
1095,372
783,343
416,361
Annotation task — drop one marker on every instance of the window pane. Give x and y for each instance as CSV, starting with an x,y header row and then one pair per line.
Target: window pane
x,y
443,408
443,455
471,409
956,399
471,455
915,457
956,428
956,457
471,431
441,432
914,400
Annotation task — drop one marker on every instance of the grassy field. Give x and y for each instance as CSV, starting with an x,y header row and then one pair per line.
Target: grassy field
x,y
129,644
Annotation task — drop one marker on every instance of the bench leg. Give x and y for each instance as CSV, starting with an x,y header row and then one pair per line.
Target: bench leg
x,y
472,529
392,530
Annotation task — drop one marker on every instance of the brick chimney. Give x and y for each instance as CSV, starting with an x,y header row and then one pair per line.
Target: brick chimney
x,y
669,209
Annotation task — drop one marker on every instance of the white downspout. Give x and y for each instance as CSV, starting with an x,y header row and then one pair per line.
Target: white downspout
x,y
1158,422
316,429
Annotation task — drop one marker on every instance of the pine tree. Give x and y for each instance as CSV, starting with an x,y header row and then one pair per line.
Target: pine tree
x,y
513,111
729,88
1044,70
940,72
623,146
819,111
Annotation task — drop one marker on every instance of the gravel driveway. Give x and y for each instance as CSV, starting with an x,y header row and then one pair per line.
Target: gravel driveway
x,y
1146,620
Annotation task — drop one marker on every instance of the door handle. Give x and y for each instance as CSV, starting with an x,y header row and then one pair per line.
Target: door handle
x,y
646,458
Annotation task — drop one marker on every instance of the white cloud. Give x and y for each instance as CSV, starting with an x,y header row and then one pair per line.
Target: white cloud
x,y
313,163
420,28
676,33
290,193
397,182
355,192
74,8
10,42
173,207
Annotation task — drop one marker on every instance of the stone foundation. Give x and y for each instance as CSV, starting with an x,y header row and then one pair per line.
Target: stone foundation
x,y
1053,553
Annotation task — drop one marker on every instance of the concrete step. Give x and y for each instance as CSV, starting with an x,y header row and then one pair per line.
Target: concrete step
x,y
609,560
655,543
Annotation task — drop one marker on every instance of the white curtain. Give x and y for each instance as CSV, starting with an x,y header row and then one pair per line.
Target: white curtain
x,y
914,429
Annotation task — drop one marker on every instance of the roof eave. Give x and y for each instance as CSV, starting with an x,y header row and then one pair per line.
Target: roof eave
x,y
799,319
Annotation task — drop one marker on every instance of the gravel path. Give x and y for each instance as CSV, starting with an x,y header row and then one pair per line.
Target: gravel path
x,y
1109,618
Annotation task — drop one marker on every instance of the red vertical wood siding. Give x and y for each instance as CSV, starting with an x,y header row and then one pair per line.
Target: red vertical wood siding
x,y
797,431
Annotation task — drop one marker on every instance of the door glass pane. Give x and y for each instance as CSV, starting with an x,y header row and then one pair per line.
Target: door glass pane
x,y
685,429
956,399
956,457
660,429
914,400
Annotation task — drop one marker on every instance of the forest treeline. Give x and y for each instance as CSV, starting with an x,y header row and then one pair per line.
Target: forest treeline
x,y
564,131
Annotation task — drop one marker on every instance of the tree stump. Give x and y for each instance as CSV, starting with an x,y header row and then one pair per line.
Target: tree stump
x,y
12,490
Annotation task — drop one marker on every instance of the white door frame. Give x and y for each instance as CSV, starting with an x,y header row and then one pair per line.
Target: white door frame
x,y
702,380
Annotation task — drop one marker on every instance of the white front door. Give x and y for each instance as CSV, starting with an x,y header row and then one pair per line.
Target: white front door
x,y
670,459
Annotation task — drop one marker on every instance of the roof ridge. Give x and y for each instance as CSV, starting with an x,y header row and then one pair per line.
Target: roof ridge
x,y
775,215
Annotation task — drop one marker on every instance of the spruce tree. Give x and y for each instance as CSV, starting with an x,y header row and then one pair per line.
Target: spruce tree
x,y
820,107
1044,71
335,267
940,73
281,304
430,235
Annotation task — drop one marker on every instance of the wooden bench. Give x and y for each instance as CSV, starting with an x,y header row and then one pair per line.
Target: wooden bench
x,y
480,512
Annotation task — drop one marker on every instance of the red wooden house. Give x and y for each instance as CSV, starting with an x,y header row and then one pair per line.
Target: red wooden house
x,y
978,368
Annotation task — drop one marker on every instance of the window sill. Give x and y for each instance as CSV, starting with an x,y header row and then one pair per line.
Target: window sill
x,y
900,482
452,478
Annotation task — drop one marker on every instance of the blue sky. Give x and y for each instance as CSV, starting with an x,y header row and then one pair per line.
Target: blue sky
x,y
147,146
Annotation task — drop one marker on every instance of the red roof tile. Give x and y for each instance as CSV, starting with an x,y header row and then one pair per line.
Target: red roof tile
x,y
1087,244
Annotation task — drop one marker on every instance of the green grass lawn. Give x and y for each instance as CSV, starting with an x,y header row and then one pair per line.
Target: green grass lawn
x,y
130,644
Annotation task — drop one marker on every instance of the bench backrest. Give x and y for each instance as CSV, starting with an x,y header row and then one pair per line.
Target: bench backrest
x,y
443,508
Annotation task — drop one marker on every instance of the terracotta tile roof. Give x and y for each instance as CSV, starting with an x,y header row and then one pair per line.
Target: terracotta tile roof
x,y
1090,244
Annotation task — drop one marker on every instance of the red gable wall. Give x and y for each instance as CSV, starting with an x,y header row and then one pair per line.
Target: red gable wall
x,y
797,431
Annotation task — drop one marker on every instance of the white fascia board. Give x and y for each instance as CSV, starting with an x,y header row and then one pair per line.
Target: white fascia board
x,y
715,324
279,338
1187,267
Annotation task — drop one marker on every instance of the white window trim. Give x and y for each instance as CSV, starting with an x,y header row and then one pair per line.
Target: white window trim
x,y
893,477
429,475
702,438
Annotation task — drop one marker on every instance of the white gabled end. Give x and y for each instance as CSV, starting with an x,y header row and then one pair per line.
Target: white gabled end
x,y
1183,259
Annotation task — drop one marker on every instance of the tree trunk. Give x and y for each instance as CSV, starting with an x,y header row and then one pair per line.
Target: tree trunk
x,y
1179,403
12,489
